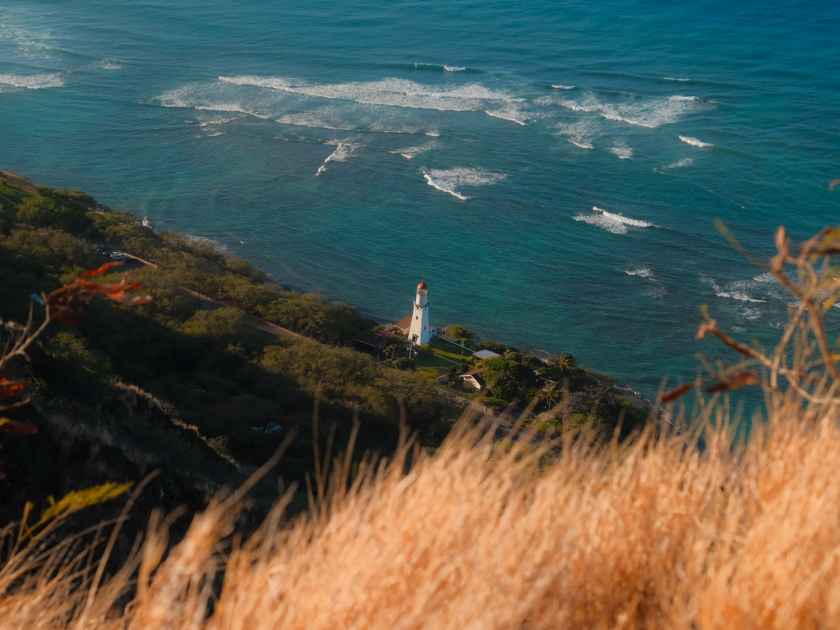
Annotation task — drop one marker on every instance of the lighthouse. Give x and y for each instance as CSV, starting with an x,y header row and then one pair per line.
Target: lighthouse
x,y
420,330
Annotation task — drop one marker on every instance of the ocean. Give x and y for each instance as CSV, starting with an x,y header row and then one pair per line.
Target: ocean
x,y
553,169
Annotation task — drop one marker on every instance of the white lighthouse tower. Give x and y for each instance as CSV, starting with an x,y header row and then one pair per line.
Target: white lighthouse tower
x,y
420,330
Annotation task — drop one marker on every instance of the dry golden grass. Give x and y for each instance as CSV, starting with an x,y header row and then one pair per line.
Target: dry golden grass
x,y
652,533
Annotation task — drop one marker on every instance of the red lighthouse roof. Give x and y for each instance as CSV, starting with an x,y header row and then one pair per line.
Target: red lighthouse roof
x,y
422,286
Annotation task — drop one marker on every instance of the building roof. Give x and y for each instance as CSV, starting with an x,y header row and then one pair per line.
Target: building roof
x,y
486,354
405,323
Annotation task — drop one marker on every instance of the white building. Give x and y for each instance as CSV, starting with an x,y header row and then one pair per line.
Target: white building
x,y
420,329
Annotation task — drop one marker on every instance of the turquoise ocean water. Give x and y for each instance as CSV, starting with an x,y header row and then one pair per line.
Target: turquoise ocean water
x,y
351,148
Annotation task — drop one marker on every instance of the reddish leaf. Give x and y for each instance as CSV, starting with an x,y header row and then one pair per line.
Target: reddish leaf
x,y
8,388
736,381
677,392
101,270
14,426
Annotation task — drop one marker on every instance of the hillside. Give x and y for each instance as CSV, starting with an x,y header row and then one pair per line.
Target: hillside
x,y
222,364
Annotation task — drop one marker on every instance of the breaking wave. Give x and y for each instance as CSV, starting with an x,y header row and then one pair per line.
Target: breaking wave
x,y
387,92
612,221
621,151
651,113
311,120
510,115
695,142
409,153
344,150
733,292
184,98
109,64
450,180
579,134
560,86
682,163
640,272
441,67
32,81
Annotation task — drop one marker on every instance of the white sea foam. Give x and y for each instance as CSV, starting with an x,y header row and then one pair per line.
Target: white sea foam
x,y
31,81
109,64
650,113
621,151
344,150
387,92
186,98
612,221
442,67
312,120
450,180
409,153
433,133
695,142
560,86
681,163
640,272
678,79
764,278
511,115
735,291
579,134
750,313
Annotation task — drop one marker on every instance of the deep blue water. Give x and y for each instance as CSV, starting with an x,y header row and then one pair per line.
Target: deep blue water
x,y
214,118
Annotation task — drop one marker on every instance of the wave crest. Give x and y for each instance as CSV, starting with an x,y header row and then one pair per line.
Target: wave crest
x,y
612,221
650,113
450,180
344,150
387,92
695,142
32,81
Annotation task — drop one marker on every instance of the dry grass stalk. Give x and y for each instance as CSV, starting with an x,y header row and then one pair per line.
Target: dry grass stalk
x,y
651,533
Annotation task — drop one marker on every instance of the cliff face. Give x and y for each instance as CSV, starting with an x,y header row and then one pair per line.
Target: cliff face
x,y
206,380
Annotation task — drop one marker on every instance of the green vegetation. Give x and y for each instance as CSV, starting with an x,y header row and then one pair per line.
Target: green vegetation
x,y
205,370
222,364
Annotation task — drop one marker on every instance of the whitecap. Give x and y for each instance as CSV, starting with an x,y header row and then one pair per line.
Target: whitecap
x,y
511,115
344,150
621,151
612,221
31,81
312,120
386,92
640,272
450,180
681,163
409,153
677,79
734,292
579,134
695,142
109,64
650,113
419,65
560,86
750,313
